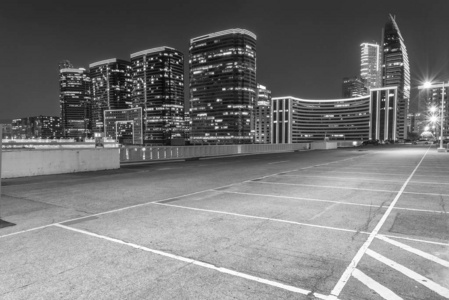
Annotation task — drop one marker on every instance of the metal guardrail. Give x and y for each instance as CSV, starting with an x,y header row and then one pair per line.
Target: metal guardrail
x,y
154,153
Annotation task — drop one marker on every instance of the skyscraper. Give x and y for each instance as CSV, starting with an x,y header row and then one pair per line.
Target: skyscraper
x,y
222,86
74,102
111,88
158,78
262,116
430,106
353,87
396,71
370,65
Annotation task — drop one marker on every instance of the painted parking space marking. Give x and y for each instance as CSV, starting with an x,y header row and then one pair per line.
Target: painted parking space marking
x,y
442,291
427,194
324,186
257,217
198,263
346,188
278,162
414,239
328,201
347,273
383,291
382,174
415,251
167,199
364,179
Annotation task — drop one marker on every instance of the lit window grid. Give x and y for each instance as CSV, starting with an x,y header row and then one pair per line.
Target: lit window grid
x,y
229,61
297,120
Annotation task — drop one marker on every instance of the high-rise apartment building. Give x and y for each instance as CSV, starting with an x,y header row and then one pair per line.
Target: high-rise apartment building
x,y
262,116
111,88
158,78
353,87
370,65
396,71
430,106
223,87
75,102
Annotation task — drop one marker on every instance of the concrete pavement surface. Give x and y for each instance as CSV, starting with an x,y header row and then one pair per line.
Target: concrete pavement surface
x,y
360,223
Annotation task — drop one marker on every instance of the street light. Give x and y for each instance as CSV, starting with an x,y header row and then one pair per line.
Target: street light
x,y
428,85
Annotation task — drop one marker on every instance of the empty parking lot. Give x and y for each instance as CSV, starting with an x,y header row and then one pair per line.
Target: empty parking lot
x,y
359,223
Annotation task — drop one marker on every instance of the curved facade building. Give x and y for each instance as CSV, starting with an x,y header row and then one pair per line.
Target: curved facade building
x,y
297,120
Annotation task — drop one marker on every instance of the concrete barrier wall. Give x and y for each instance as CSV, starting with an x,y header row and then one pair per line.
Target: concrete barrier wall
x,y
344,144
137,153
323,145
20,163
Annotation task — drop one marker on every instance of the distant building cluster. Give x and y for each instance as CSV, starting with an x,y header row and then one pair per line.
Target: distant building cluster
x,y
141,100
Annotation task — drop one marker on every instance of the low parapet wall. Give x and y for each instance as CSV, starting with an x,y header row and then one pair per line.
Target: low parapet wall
x,y
133,154
20,163
344,144
323,145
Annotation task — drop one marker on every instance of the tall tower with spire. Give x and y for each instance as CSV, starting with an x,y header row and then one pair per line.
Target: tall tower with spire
x,y
396,71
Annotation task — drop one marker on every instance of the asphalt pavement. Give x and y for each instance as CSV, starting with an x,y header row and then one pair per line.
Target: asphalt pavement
x,y
358,223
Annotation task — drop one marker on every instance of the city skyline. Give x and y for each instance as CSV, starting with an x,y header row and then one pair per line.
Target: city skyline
x,y
293,56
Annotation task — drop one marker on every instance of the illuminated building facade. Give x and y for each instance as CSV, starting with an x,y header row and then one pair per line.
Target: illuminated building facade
x,y
39,127
124,125
383,114
396,71
75,103
223,87
353,87
111,88
296,120
370,65
158,78
6,131
262,116
430,106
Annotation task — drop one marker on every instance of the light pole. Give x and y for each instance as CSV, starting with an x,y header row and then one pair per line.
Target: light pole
x,y
429,85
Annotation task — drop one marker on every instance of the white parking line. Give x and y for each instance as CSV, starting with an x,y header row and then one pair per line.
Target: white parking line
x,y
442,291
278,162
257,217
382,174
428,194
150,202
344,188
347,273
414,240
198,263
323,186
329,201
383,291
364,179
415,251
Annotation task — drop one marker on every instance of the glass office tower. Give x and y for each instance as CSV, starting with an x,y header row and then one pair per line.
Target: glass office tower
x,y
111,88
223,87
158,76
396,71
370,65
262,116
75,103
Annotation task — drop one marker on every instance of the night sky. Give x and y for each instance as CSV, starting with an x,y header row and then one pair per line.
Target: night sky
x,y
304,48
